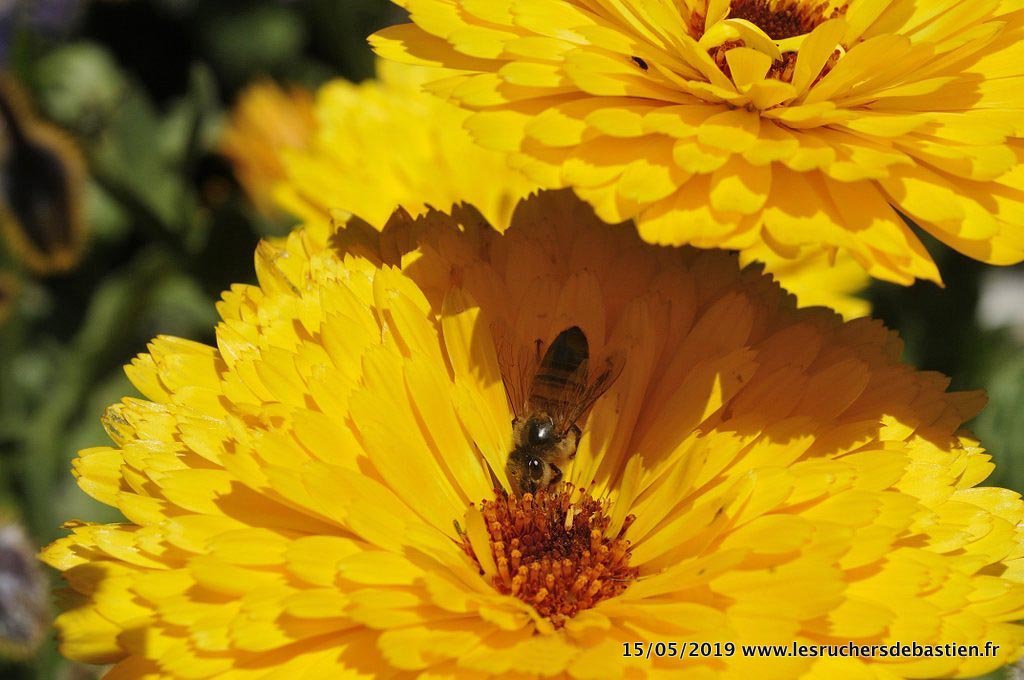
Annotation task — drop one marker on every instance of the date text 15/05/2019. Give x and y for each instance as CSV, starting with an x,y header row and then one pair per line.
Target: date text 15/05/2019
x,y
696,650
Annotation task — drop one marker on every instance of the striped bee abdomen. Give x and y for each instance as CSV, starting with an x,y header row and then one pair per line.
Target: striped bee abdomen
x,y
562,372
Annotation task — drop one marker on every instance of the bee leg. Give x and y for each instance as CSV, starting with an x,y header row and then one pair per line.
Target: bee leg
x,y
577,434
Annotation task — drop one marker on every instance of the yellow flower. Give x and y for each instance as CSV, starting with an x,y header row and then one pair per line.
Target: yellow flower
x,y
316,495
815,279
718,123
266,120
423,157
382,144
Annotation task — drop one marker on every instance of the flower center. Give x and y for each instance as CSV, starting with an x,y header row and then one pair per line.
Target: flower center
x,y
553,554
780,19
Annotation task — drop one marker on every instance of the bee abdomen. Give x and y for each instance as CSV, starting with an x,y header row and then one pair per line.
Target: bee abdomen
x,y
559,373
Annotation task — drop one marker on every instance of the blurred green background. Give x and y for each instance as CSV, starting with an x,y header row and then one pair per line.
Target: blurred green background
x,y
143,86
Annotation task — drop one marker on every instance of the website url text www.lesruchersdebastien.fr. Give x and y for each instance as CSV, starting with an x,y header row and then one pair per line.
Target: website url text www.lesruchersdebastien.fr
x,y
691,649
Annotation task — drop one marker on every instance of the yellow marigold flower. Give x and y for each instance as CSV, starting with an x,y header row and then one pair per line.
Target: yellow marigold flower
x,y
815,278
266,120
421,155
725,123
323,492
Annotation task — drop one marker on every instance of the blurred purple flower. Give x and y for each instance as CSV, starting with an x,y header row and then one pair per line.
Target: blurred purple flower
x,y
43,16
52,15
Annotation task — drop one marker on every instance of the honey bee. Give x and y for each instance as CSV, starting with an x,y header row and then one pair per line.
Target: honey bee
x,y
545,429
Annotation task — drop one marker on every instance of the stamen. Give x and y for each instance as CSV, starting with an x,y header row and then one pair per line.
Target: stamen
x,y
553,553
780,19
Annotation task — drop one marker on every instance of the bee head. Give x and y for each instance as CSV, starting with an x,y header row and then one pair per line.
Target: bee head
x,y
528,473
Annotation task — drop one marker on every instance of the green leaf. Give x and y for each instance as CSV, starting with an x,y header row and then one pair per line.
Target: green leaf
x,y
1001,427
80,86
230,33
130,161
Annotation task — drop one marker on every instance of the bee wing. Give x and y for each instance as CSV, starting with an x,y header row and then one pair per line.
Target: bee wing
x,y
517,365
579,404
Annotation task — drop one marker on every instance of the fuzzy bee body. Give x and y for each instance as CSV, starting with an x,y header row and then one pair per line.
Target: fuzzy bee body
x,y
545,430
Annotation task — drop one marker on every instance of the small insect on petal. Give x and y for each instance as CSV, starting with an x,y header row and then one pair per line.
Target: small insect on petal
x,y
24,613
41,187
640,62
